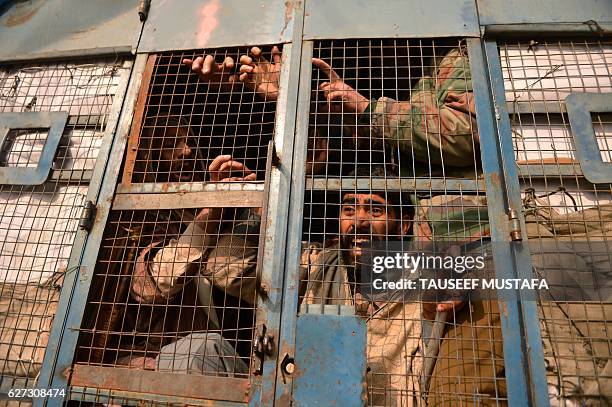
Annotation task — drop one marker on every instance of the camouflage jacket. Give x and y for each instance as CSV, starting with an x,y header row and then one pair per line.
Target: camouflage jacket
x,y
429,127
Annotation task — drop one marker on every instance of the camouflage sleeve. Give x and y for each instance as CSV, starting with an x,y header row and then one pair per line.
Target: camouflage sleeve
x,y
427,127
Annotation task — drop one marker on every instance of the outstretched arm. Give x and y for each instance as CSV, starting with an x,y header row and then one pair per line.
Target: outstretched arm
x,y
437,125
162,272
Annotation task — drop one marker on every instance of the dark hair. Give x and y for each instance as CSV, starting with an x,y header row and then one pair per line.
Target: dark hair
x,y
398,199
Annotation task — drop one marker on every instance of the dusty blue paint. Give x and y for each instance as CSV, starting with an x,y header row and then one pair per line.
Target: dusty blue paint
x,y
543,11
510,312
296,211
56,28
55,122
531,352
335,19
330,360
579,108
216,23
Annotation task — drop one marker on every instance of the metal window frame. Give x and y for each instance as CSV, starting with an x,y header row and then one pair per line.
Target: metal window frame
x,y
579,108
527,312
55,122
523,353
56,366
80,379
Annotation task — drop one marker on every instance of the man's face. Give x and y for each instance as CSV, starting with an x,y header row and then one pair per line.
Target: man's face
x,y
176,156
365,219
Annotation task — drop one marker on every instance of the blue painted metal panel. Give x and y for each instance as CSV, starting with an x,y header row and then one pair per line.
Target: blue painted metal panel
x,y
514,359
543,11
296,211
55,122
216,23
54,28
579,108
330,361
335,19
532,352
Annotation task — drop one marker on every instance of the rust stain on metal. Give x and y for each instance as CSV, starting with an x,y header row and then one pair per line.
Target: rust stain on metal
x,y
504,309
495,180
208,22
23,12
141,101
284,400
288,15
170,384
67,372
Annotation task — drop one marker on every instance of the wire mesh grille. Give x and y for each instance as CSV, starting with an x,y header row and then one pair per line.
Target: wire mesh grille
x,y
38,224
22,148
167,296
188,122
176,289
602,125
376,176
567,217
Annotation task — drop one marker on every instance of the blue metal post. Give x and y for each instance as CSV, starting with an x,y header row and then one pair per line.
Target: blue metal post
x,y
487,114
529,311
273,264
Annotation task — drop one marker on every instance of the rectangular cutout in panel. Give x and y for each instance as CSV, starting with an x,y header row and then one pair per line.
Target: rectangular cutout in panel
x,y
15,152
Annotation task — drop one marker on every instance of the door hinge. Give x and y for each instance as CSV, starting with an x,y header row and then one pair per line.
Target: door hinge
x,y
515,226
87,216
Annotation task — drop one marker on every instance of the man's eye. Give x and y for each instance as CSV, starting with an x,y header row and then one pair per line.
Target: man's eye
x,y
348,210
377,211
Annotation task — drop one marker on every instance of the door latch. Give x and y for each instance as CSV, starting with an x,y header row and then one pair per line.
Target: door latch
x,y
263,346
515,226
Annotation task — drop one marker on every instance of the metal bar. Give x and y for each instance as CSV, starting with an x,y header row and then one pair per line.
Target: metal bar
x,y
587,28
533,351
130,398
515,363
296,209
141,102
548,170
408,184
64,332
156,188
71,176
39,57
535,107
143,381
184,200
86,120
272,273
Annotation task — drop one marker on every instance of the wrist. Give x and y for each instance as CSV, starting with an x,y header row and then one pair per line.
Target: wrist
x,y
364,116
